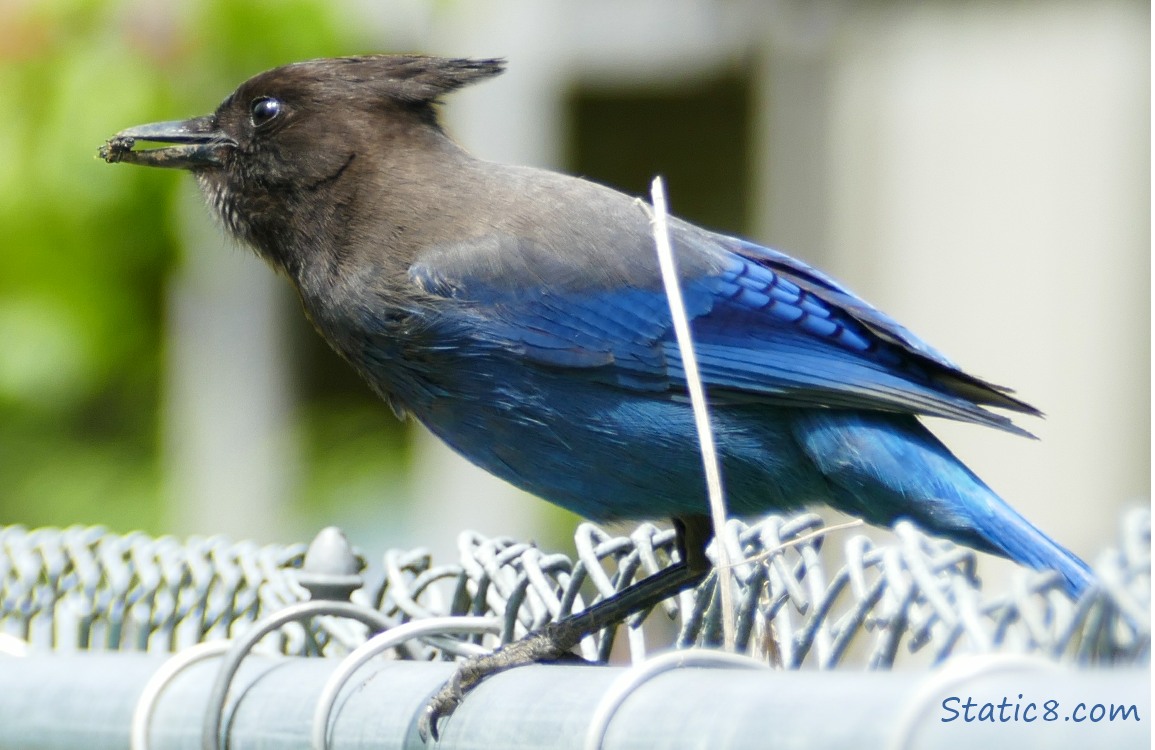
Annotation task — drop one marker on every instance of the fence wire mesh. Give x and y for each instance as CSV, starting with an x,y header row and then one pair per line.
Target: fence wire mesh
x,y
89,589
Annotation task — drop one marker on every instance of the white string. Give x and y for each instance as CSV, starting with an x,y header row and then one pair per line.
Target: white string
x,y
698,402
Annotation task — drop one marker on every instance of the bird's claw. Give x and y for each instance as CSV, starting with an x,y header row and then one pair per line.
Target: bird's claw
x,y
444,703
551,643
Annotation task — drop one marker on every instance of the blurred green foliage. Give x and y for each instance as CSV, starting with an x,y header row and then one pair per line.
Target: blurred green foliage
x,y
85,249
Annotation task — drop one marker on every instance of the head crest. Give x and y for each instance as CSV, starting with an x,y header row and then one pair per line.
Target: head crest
x,y
408,78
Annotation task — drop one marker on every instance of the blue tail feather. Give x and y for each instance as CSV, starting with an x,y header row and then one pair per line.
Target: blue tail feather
x,y
885,468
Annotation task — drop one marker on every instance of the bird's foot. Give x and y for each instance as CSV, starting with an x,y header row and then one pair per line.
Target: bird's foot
x,y
551,643
557,639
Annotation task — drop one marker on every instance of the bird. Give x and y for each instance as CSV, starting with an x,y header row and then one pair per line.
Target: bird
x,y
519,314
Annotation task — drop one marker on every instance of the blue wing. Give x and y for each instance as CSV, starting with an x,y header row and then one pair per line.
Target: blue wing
x,y
766,327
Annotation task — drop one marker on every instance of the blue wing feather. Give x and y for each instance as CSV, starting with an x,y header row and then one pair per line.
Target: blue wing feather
x,y
766,327
825,287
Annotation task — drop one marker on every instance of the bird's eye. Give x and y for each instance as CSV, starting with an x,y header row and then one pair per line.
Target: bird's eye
x,y
264,110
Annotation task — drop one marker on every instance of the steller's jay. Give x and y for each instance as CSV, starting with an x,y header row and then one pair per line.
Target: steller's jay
x,y
519,315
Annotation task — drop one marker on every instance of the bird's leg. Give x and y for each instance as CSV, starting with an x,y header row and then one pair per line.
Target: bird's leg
x,y
557,639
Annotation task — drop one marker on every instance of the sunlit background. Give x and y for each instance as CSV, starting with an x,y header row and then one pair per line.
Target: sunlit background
x,y
980,170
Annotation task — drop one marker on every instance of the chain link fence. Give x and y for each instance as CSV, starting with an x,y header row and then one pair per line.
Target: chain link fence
x,y
90,589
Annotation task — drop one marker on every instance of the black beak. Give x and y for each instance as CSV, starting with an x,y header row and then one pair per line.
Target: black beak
x,y
199,144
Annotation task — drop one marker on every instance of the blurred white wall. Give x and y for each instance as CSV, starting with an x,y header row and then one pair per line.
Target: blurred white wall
x,y
990,187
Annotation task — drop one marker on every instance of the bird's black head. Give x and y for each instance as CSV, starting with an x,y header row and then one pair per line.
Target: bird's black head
x,y
289,133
